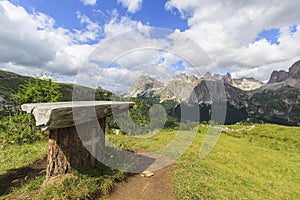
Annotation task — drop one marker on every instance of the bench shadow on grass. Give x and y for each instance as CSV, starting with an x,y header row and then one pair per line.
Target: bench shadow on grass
x,y
114,159
16,177
126,160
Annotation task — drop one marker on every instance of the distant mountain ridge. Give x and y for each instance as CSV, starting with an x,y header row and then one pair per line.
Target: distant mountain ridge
x,y
181,85
277,101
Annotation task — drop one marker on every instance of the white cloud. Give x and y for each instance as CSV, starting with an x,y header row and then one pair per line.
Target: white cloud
x,y
118,26
32,43
89,2
90,33
185,8
227,31
132,5
146,50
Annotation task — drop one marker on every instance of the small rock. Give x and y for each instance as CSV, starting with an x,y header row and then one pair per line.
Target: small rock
x,y
15,181
147,174
42,172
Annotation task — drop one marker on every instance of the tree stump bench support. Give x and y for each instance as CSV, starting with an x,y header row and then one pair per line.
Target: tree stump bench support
x,y
76,132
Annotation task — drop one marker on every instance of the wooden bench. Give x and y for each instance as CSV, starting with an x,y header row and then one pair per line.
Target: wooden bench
x,y
76,131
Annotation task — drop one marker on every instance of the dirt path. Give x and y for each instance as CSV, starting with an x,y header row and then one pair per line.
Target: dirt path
x,y
157,187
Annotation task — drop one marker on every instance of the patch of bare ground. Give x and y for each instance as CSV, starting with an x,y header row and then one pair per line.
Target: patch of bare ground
x,y
137,187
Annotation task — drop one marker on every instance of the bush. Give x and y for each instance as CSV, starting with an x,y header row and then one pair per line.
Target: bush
x,y
38,90
19,129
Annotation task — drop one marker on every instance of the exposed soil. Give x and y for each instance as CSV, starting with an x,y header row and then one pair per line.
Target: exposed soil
x,y
156,187
15,177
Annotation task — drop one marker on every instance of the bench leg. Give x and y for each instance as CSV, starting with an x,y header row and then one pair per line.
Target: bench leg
x,y
67,150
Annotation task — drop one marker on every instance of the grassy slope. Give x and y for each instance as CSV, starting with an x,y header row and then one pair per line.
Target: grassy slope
x,y
84,184
262,163
12,157
9,84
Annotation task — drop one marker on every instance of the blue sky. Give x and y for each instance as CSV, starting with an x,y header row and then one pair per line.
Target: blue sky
x,y
152,12
245,38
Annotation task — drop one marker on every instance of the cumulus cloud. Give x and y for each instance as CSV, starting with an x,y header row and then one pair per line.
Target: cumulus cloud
x,y
90,33
30,42
21,36
118,26
132,5
89,2
228,30
149,51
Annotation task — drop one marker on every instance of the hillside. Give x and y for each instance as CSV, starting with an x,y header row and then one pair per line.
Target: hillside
x,y
10,82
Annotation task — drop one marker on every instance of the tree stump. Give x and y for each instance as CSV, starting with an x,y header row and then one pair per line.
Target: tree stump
x,y
76,131
69,150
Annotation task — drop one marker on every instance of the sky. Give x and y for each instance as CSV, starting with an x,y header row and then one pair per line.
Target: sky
x,y
110,43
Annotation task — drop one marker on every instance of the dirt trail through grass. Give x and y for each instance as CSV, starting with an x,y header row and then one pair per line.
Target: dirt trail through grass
x,y
137,187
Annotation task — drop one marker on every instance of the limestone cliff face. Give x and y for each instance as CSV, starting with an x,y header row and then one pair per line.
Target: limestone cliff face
x,y
294,71
178,87
181,86
281,76
278,76
221,101
247,84
279,100
145,85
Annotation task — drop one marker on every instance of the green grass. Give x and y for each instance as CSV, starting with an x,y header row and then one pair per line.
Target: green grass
x,y
262,163
248,162
150,144
78,185
83,184
14,156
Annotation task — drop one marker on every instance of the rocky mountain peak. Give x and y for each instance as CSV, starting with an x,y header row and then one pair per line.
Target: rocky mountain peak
x,y
185,77
247,84
294,70
228,79
283,76
144,85
207,75
278,76
144,79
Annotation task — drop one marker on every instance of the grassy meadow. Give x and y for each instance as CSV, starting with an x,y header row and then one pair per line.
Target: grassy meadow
x,y
259,161
248,162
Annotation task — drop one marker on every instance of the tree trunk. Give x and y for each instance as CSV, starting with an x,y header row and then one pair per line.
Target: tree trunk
x,y
69,150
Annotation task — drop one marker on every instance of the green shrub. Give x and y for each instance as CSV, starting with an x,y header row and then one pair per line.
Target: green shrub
x,y
19,129
38,90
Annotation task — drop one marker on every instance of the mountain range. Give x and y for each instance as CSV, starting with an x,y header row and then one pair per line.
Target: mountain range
x,y
276,101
